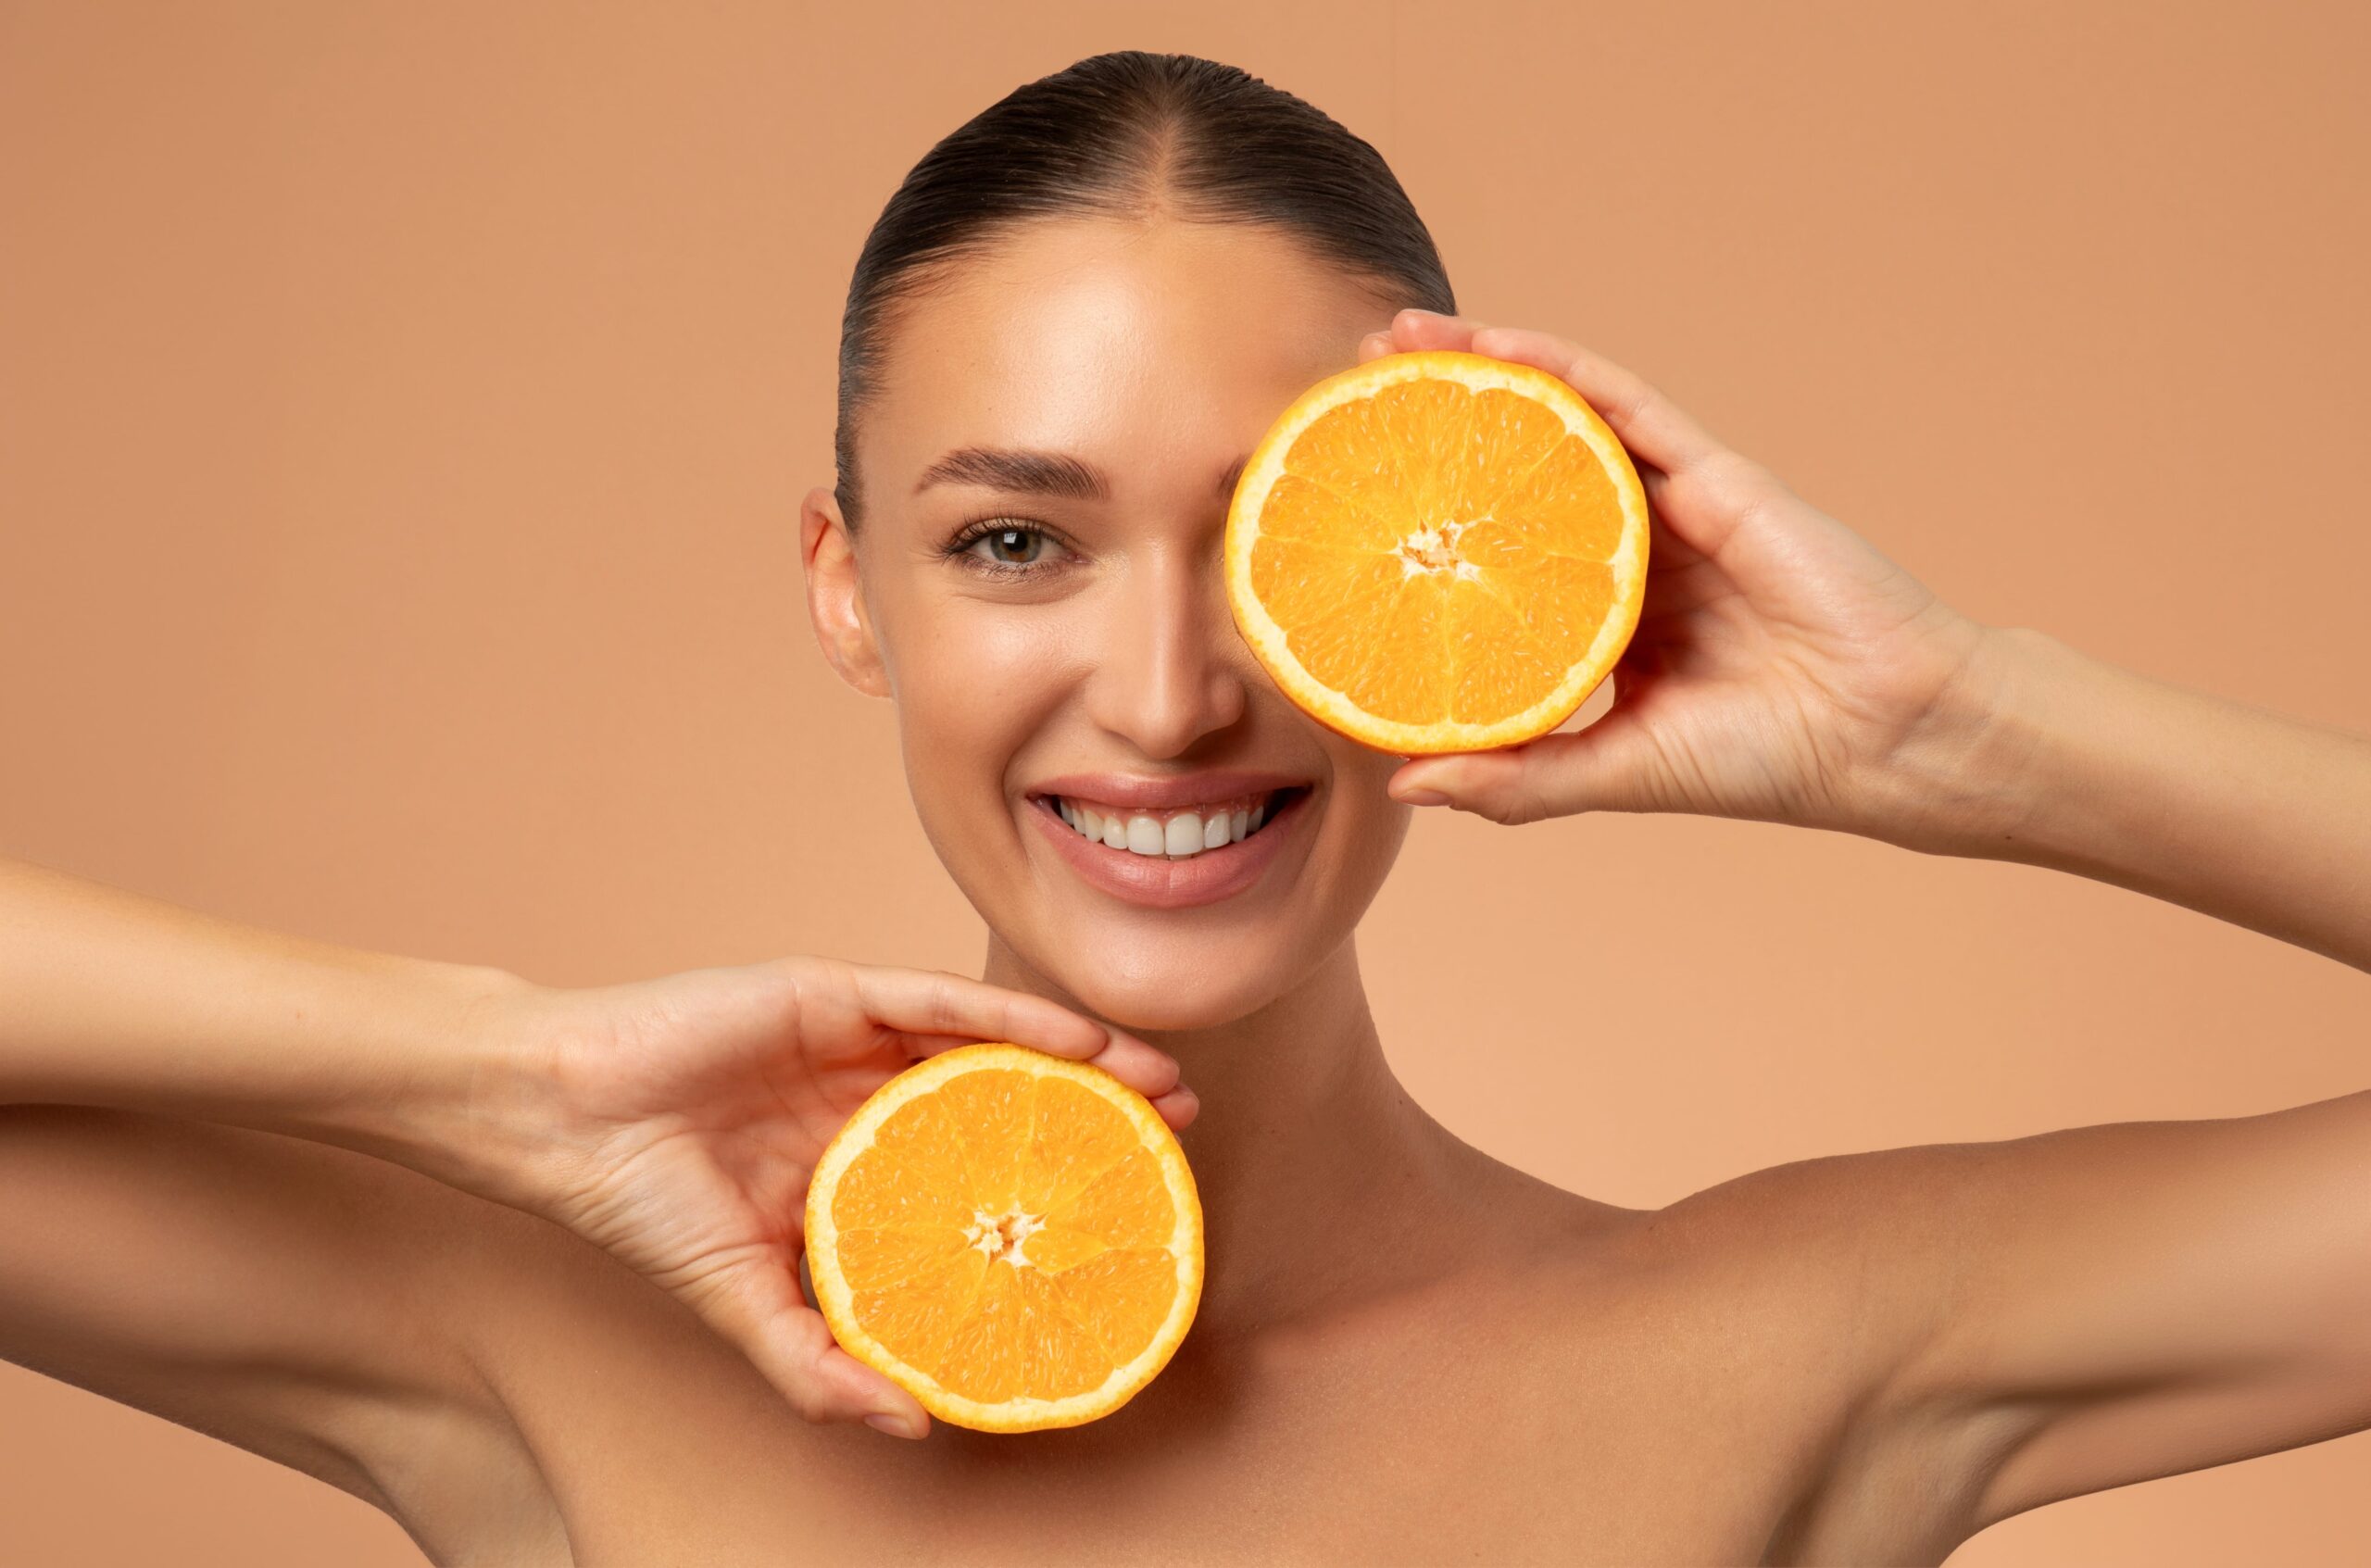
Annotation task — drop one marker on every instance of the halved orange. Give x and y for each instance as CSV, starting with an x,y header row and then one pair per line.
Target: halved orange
x,y
1012,1238
1439,551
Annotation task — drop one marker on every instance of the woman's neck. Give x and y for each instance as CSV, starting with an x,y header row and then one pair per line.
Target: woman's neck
x,y
1324,1186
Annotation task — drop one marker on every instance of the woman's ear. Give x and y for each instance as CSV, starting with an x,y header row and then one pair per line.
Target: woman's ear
x,y
832,601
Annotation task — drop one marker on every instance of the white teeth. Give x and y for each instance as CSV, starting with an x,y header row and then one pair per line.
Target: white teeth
x,y
1178,837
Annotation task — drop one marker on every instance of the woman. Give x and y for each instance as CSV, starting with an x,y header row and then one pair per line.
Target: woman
x,y
520,1265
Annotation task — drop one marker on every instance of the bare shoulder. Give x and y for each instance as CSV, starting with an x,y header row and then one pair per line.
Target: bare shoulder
x,y
1774,1326
1947,1335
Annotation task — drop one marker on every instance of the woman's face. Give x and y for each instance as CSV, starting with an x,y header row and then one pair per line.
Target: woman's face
x,y
1049,615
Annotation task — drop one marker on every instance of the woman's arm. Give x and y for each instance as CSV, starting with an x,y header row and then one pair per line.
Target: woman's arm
x,y
2138,1300
673,1122
2056,1315
109,999
2045,755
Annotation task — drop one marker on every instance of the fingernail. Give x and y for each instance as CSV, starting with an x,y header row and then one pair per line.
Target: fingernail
x,y
1422,797
896,1425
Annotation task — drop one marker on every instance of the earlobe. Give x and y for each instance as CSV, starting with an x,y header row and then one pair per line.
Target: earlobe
x,y
834,603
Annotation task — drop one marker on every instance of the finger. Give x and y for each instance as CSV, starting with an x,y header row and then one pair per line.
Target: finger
x,y
1375,346
1178,1108
1149,1070
1429,329
1146,1069
1610,766
943,1010
756,1306
935,1002
1648,423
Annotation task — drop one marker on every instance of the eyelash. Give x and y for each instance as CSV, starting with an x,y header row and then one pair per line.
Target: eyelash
x,y
959,547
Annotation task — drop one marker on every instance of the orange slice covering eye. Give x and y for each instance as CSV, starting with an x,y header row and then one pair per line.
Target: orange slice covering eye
x,y
1011,1237
1439,551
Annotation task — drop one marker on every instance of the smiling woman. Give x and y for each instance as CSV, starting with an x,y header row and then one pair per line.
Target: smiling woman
x,y
1051,626
520,1264
1137,263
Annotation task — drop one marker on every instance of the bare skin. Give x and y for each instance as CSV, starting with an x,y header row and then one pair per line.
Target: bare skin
x,y
518,1264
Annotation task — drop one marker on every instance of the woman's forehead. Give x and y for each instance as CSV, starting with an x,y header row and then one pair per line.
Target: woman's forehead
x,y
1082,334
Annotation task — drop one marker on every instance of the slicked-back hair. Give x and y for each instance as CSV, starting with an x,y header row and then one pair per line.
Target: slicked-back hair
x,y
1136,135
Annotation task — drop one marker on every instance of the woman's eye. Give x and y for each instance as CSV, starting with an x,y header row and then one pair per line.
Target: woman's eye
x,y
1009,546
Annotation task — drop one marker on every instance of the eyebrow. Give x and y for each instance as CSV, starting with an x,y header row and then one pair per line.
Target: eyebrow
x,y
1029,472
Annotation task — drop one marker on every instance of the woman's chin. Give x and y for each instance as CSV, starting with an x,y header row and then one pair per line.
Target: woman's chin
x,y
1190,997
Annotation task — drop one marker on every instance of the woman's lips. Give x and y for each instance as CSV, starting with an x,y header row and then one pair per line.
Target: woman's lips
x,y
1159,883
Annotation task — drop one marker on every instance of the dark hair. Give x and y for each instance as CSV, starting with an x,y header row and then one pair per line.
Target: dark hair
x,y
1130,134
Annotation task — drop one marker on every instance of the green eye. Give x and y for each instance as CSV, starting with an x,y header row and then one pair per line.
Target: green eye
x,y
1012,547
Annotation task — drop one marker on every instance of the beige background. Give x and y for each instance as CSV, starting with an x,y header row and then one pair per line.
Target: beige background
x,y
403,410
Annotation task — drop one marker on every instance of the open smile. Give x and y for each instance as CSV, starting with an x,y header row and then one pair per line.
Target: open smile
x,y
1171,857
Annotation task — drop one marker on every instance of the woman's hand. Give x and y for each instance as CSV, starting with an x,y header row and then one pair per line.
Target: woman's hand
x,y
1782,666
675,1122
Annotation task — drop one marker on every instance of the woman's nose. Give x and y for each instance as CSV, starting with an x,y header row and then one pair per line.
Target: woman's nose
x,y
1170,669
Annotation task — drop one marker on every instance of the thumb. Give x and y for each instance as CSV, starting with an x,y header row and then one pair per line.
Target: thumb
x,y
1603,768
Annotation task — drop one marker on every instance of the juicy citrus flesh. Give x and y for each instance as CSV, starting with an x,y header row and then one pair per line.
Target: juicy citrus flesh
x,y
1011,1237
1439,551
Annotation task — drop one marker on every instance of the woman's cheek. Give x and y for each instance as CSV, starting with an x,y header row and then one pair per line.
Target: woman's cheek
x,y
1371,828
974,689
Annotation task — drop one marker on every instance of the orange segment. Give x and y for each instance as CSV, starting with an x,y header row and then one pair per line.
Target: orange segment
x,y
991,1111
1302,507
1011,1237
1567,504
1122,1296
1058,1247
1060,1356
883,1259
913,1320
1078,1136
1439,551
1129,1205
926,1182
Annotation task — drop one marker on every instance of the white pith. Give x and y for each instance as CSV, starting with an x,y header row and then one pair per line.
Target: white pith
x,y
1435,549
1002,1236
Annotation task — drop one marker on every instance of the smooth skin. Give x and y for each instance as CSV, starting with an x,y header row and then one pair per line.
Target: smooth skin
x,y
517,1264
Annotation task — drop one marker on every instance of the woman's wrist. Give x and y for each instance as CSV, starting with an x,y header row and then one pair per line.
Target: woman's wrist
x,y
2044,755
1966,779
435,1068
